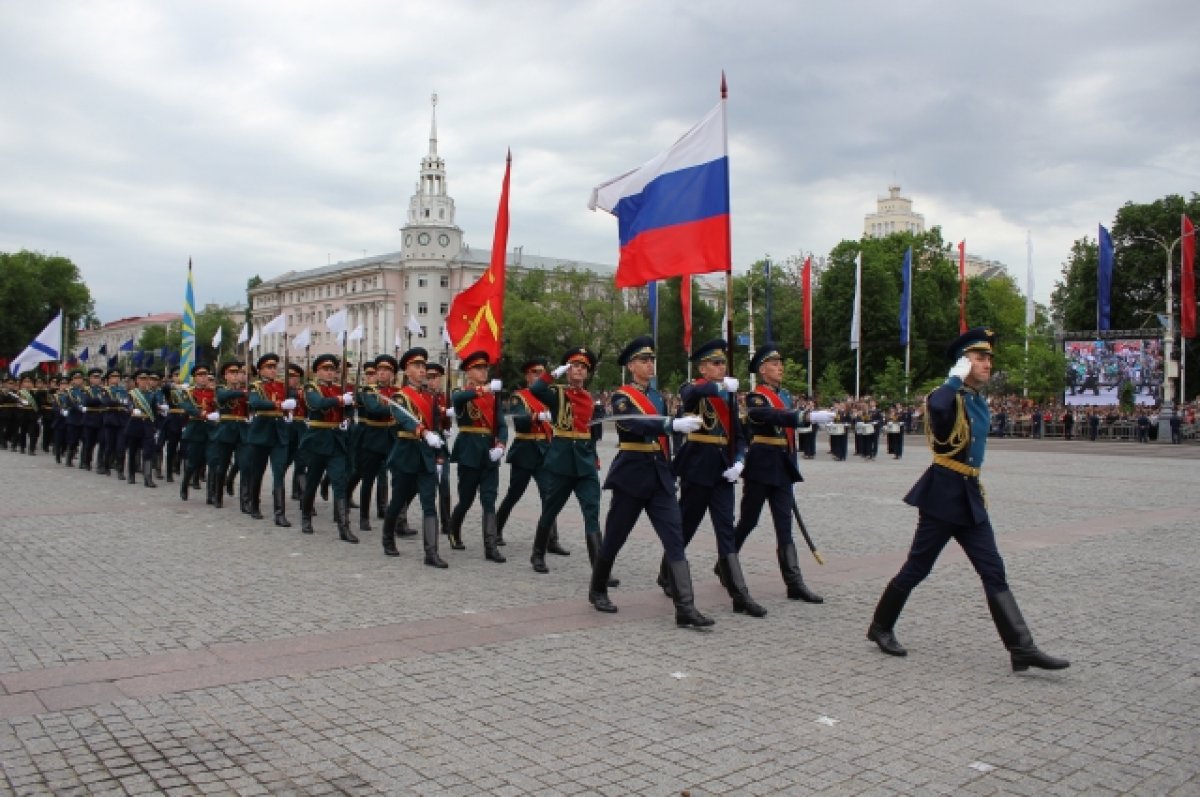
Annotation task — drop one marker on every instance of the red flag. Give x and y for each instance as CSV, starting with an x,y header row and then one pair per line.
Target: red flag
x,y
806,286
1187,280
962,282
685,299
476,318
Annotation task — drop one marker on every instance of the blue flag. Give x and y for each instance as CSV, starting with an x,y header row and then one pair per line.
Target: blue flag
x,y
83,355
906,297
103,352
1104,276
136,359
112,362
127,345
188,330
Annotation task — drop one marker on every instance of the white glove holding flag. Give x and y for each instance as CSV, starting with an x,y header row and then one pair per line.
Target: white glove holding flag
x,y
961,368
164,409
544,415
734,473
287,404
64,413
559,371
348,399
820,416
137,413
432,440
449,412
687,424
496,453
495,386
731,384
212,416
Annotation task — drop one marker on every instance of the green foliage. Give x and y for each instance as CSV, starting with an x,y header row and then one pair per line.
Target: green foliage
x,y
829,386
889,386
207,322
1128,393
795,377
33,287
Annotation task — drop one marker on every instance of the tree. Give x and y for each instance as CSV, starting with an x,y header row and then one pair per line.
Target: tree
x,y
889,386
33,288
829,386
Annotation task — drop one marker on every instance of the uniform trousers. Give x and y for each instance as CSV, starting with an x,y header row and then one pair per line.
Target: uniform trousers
x,y
558,488
623,512
717,501
978,543
754,495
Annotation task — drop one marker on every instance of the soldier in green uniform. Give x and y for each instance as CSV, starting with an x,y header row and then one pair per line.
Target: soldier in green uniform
x,y
268,437
376,433
414,462
228,416
479,447
197,400
326,442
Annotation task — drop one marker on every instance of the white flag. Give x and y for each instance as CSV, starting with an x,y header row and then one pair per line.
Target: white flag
x,y
446,335
303,340
336,323
45,348
412,325
356,333
1029,307
244,335
254,339
216,341
276,326
397,343
856,319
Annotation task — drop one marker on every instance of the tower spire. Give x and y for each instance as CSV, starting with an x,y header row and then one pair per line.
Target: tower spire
x,y
433,128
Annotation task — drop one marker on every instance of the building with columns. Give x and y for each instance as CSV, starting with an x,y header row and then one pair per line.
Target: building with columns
x,y
893,214
389,294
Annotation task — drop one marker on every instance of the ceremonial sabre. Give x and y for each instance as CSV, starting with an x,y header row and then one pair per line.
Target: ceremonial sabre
x,y
804,530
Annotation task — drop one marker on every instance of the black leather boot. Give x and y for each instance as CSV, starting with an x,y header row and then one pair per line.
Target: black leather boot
x,y
364,516
538,557
209,498
456,521
402,527
243,491
789,567
306,513
731,568
664,577
389,534
134,467
254,498
490,551
279,505
230,472
886,612
196,477
429,531
1016,635
170,468
598,588
158,474
297,486
501,520
341,514
381,495
325,488
217,480
184,484
148,474
593,549
552,545
686,613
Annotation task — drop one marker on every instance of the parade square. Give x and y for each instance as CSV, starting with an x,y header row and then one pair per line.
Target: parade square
x,y
155,647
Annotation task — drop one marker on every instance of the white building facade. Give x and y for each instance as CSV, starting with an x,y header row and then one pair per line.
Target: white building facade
x,y
893,214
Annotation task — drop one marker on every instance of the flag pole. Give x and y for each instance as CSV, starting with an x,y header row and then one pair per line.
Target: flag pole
x,y
728,273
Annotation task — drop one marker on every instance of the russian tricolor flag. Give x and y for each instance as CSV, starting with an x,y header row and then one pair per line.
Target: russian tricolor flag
x,y
673,212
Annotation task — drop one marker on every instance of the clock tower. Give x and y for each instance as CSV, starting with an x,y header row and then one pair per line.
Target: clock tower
x,y
431,234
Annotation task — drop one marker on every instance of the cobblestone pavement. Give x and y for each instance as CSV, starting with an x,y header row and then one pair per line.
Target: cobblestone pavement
x,y
150,646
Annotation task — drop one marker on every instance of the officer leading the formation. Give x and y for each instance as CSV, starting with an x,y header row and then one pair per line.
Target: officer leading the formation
x,y
952,505
640,478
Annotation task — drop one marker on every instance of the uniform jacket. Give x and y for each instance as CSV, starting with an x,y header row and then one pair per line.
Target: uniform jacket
x,y
772,422
642,464
325,406
959,420
480,419
532,439
268,426
572,450
704,455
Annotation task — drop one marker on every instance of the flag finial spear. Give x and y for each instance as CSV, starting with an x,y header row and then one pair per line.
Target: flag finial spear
x,y
724,88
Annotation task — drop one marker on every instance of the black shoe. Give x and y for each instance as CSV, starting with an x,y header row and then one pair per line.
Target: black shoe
x,y
429,535
789,568
279,505
341,514
389,536
885,638
887,611
731,569
1016,636
490,551
598,588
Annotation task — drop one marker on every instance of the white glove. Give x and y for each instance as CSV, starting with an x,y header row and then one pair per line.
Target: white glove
x,y
687,424
24,403
495,386
213,416
496,453
820,416
64,413
731,384
962,367
184,386
83,409
438,468
137,413
344,425
287,419
449,412
734,473
287,404
432,440
164,408
559,371
348,399
544,415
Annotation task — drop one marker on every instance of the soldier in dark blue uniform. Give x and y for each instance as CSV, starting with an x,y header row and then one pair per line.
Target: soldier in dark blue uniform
x,y
171,434
952,505
708,465
641,480
140,429
771,466
93,416
116,418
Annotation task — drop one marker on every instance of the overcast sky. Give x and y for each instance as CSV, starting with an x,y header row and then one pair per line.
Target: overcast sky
x,y
260,137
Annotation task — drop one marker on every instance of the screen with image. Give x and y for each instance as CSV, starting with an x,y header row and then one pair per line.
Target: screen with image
x,y
1096,370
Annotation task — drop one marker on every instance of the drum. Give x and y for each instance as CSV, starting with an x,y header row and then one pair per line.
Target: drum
x,y
807,429
836,428
893,428
864,428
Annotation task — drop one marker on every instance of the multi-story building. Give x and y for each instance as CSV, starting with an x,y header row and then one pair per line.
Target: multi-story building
x,y
401,298
893,214
115,334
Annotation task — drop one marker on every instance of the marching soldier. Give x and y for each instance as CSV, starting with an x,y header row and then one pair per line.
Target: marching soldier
x,y
641,480
267,438
116,418
74,402
771,467
838,443
93,416
527,452
708,465
228,417
415,460
478,448
376,433
571,464
325,444
197,401
26,416
895,432
171,432
48,410
140,431
443,418
296,428
806,434
952,505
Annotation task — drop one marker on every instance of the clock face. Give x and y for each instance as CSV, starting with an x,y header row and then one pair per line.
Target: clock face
x,y
423,239
444,239
408,239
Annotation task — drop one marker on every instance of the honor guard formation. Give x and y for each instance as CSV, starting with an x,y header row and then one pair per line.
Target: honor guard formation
x,y
395,433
